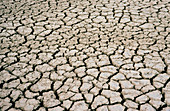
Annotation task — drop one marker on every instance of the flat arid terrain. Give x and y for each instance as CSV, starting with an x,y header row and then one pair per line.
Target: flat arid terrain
x,y
84,55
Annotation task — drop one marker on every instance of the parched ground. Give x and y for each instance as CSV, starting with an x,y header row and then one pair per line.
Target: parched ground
x,y
84,55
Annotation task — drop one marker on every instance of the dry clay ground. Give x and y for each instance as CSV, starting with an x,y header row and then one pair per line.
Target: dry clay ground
x,y
84,55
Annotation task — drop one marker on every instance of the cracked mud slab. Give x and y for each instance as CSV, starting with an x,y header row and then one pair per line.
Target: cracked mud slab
x,y
84,55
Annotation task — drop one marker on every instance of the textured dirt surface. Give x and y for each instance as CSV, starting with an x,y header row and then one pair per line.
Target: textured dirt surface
x,y
84,55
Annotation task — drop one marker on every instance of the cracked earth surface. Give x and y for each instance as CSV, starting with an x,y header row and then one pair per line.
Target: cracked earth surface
x,y
83,55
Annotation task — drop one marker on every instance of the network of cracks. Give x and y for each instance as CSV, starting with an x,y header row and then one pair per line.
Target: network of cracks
x,y
84,55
